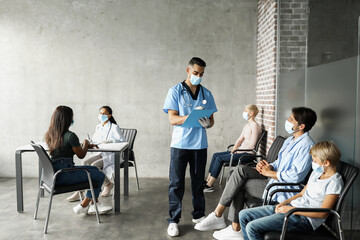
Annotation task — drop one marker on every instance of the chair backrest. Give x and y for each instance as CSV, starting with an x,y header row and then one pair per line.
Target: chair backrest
x,y
262,136
274,149
348,173
129,135
48,170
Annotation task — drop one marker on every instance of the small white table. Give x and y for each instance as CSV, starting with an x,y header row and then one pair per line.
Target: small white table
x,y
116,148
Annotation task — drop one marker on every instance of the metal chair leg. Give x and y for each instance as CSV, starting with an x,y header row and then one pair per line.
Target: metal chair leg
x,y
222,174
37,203
93,197
137,179
48,214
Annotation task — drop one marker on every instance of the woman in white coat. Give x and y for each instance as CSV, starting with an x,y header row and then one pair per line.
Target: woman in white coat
x,y
105,132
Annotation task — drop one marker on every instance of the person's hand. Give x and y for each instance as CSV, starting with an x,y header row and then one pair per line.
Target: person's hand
x,y
204,122
266,169
93,146
260,165
282,208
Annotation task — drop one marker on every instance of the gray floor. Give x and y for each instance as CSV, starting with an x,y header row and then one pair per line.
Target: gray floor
x,y
143,214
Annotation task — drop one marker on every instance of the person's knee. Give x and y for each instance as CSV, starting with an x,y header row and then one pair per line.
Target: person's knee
x,y
244,216
251,229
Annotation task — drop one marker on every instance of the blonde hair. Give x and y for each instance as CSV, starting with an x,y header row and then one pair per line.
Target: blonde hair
x,y
326,150
252,108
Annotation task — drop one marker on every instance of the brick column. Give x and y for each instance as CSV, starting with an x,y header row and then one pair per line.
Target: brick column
x,y
293,35
266,66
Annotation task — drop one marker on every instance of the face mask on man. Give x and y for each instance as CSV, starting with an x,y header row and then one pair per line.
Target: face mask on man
x,y
195,80
72,123
103,118
317,168
289,127
246,116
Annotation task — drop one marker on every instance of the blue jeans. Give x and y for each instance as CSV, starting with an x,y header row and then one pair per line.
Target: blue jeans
x,y
69,178
219,158
255,222
179,160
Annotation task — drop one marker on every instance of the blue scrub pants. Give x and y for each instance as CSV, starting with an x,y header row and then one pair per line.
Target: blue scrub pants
x,y
179,160
69,178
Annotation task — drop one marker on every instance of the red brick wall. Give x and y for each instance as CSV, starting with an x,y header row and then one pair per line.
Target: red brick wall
x,y
266,66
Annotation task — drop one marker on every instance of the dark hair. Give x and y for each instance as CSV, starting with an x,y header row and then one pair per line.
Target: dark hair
x,y
304,115
197,61
111,119
60,122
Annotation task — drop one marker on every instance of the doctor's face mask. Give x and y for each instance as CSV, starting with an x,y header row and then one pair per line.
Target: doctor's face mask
x,y
195,74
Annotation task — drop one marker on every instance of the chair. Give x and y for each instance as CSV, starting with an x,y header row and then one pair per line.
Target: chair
x,y
331,229
271,157
130,135
231,164
48,182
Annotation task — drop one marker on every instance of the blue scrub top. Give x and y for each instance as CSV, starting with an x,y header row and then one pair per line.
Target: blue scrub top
x,y
178,99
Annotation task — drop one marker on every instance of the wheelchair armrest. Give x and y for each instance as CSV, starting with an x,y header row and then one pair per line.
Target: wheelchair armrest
x,y
267,189
292,211
244,150
284,184
269,196
231,145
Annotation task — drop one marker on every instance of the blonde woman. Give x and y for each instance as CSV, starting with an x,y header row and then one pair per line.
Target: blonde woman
x,y
247,140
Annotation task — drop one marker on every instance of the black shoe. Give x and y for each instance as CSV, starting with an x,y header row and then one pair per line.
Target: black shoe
x,y
208,189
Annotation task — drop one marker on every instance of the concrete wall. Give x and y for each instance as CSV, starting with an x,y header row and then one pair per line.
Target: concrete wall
x,y
125,54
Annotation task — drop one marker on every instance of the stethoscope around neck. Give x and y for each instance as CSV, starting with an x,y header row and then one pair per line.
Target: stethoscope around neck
x,y
188,96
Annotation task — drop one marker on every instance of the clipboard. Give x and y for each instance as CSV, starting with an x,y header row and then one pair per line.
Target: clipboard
x,y
192,120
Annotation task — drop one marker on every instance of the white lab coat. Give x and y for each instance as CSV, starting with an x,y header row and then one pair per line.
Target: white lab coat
x,y
109,133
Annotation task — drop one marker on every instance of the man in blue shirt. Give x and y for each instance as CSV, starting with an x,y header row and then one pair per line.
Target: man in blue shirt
x,y
292,165
189,144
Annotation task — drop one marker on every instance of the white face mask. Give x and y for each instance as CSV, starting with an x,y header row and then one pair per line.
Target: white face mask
x,y
289,127
246,116
317,168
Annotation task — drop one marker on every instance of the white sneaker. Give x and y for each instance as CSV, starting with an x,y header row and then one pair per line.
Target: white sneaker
x,y
211,222
198,220
103,209
173,230
228,233
107,190
75,196
80,209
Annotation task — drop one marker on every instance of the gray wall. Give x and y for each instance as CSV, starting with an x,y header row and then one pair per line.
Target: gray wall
x,y
125,54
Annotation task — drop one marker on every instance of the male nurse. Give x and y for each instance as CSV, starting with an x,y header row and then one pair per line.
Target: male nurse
x,y
189,144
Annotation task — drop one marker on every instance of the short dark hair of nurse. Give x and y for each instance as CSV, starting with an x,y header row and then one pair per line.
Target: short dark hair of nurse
x,y
196,67
306,116
108,111
61,120
197,61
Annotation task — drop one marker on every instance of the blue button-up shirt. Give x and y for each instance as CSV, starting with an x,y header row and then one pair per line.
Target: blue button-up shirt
x,y
179,99
292,165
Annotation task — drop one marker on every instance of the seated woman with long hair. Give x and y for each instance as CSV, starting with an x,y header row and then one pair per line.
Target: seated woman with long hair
x,y
63,145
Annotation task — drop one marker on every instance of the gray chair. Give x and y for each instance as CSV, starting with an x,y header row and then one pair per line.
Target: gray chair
x,y
331,229
130,135
48,182
232,164
271,157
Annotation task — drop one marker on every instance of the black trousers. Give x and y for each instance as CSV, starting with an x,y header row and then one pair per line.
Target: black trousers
x,y
179,160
